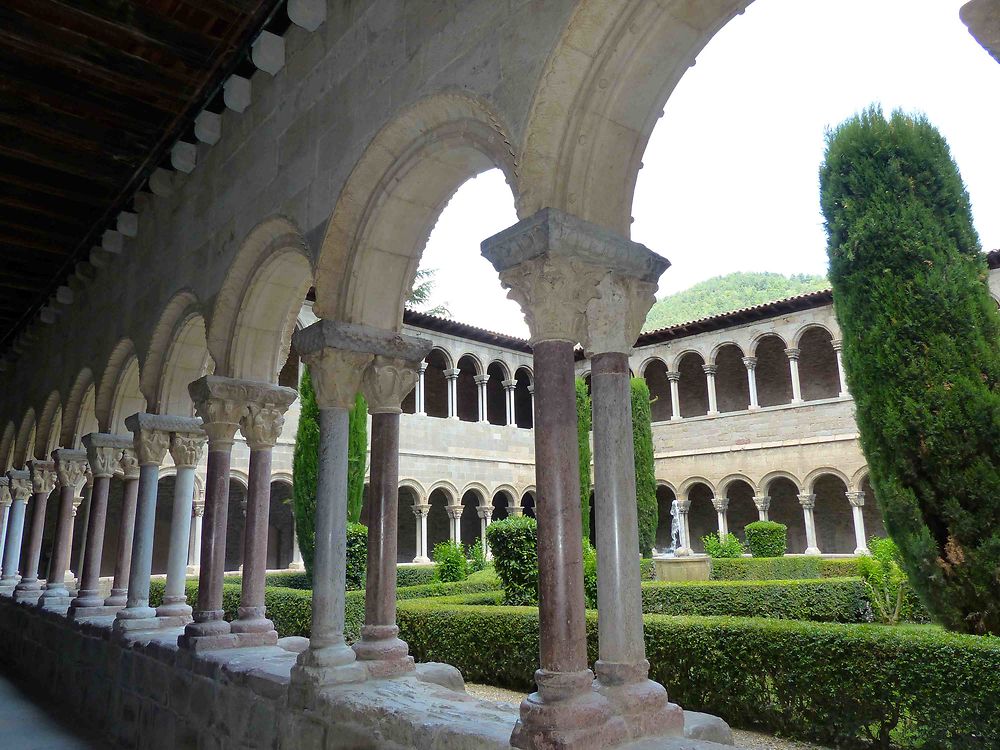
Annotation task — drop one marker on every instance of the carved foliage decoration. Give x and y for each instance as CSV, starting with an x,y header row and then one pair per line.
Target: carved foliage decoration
x,y
151,446
336,375
186,449
71,472
386,382
615,316
20,488
130,464
43,477
103,459
262,424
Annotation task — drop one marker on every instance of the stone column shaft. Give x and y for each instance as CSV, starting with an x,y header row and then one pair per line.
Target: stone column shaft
x,y
713,402
481,381
88,493
194,553
70,469
451,379
123,560
793,367
43,478
421,392
675,395
19,483
857,501
296,563
421,512
89,594
838,348
4,516
185,450
751,364
808,502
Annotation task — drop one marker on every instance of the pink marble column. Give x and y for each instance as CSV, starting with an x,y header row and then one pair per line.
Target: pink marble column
x,y
261,426
386,382
71,467
43,481
126,530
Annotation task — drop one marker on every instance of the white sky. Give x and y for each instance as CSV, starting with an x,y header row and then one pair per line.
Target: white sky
x,y
730,176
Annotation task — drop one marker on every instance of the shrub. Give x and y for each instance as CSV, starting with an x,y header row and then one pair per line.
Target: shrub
x,y
820,600
304,467
647,570
727,548
844,685
921,353
645,476
783,568
357,457
450,564
357,555
515,555
766,538
414,575
589,574
888,588
583,424
477,557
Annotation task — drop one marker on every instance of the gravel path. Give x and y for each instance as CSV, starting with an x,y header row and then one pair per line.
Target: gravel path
x,y
744,740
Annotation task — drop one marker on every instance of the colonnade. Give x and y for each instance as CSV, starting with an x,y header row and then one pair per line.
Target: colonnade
x,y
481,380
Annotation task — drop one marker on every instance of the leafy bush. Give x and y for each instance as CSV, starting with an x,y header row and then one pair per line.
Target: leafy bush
x,y
290,579
414,575
514,543
645,476
357,457
357,555
783,568
891,596
477,557
921,353
589,574
450,564
819,600
727,548
647,570
305,462
843,685
766,538
583,425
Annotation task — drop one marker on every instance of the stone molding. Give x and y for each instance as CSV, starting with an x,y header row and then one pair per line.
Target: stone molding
x,y
353,337
763,502
485,511
721,504
104,452
386,382
71,467
221,403
186,448
673,376
807,501
837,344
454,511
19,484
509,385
482,379
421,510
336,376
856,499
130,462
43,476
683,506
452,374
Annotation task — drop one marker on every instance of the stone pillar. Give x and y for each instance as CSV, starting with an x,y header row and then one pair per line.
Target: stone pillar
x,y
5,501
19,484
508,398
751,364
838,348
684,550
485,519
43,481
793,366
421,392
88,493
385,383
337,355
261,426
808,502
421,511
103,454
674,378
481,381
857,501
185,450
531,393
763,503
553,264
123,561
454,523
296,563
451,378
71,467
721,507
194,552
713,402
221,403
151,438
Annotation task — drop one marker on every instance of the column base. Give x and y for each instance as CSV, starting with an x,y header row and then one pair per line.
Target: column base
x,y
297,565
192,570
175,609
136,619
323,667
862,551
382,652
813,551
642,703
207,632
100,610
252,628
421,560
8,584
566,714
28,591
118,598
55,601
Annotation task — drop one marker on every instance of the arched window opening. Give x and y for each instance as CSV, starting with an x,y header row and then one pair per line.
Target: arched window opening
x,y
774,378
280,527
406,529
496,395
112,526
702,518
438,523
435,385
235,525
741,509
818,365
469,525
834,518
655,375
692,386
664,522
502,501
731,387
528,504
524,416
161,527
467,390
785,508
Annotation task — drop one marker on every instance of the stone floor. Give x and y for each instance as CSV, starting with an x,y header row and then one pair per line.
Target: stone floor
x,y
26,724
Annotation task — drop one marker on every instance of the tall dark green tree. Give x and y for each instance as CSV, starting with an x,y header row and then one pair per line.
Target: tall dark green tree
x,y
922,355
357,458
645,476
583,421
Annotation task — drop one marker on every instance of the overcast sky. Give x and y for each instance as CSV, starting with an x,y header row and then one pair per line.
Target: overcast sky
x,y
730,181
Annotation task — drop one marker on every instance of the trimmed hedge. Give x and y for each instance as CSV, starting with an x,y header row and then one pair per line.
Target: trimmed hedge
x,y
414,575
819,600
847,686
289,579
783,568
766,538
647,570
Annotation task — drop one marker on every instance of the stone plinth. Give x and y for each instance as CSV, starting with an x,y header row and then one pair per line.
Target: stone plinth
x,y
694,568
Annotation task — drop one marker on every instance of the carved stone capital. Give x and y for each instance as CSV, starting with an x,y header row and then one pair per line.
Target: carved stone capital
x,y
43,476
509,385
71,467
150,446
5,498
710,369
856,499
683,506
750,363
421,511
198,510
485,511
793,353
336,376
104,452
130,463
386,382
186,448
674,376
721,504
616,315
454,511
837,344
221,403
763,502
482,379
19,484
262,424
452,374
807,501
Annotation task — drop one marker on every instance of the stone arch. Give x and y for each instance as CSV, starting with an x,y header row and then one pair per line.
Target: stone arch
x,y
25,438
505,497
817,363
523,412
765,482
692,386
7,446
441,495
115,389
834,517
810,481
731,387
473,496
774,378
860,477
406,523
741,509
785,508
280,524
177,355
435,385
690,482
477,363
79,409
665,497
449,490
603,89
528,502
416,487
250,331
702,517
466,390
654,372
386,210
725,482
49,427
496,396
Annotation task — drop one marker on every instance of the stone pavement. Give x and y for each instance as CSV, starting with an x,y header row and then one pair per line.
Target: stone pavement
x,y
26,725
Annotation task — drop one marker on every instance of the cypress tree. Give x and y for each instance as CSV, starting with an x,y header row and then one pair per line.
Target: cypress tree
x,y
922,355
583,420
304,468
645,476
357,458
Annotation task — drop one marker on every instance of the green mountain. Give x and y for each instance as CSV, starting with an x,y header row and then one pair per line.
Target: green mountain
x,y
727,293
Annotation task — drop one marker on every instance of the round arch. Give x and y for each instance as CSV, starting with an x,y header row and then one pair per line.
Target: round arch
x,y
122,358
806,328
765,482
758,338
79,412
447,488
737,477
386,210
177,352
7,446
25,438
49,427
686,486
809,483
414,486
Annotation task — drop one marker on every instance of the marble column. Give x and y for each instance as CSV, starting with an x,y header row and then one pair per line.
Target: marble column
x,y
451,380
552,266
19,484
793,367
43,481
857,501
71,468
751,364
838,348
454,524
5,501
684,527
221,403
421,511
150,439
674,378
485,519
385,384
337,355
508,398
763,503
808,503
261,426
185,450
713,401
103,455
481,381
194,550
721,505
421,392
126,529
